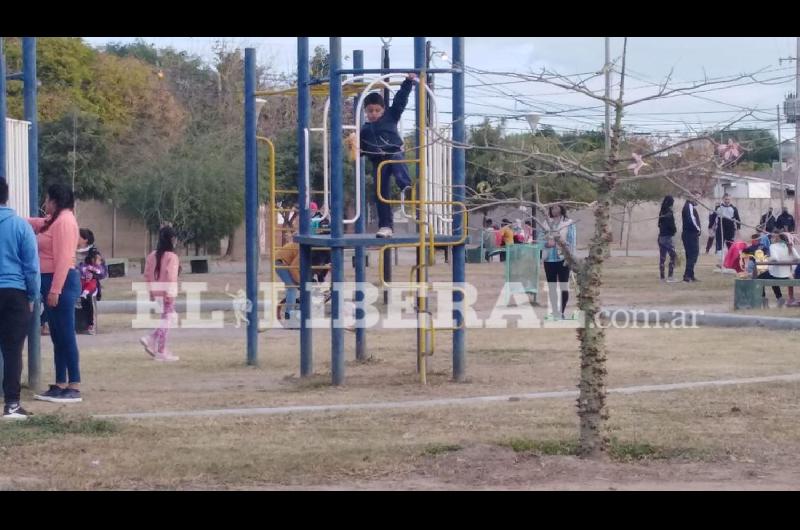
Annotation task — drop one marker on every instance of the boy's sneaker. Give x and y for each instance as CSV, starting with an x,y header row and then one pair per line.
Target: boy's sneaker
x,y
672,279
781,302
12,411
149,347
52,393
166,357
91,331
384,232
69,395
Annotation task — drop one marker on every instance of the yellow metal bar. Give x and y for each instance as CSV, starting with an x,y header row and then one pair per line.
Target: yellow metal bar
x,y
272,247
422,300
297,267
322,89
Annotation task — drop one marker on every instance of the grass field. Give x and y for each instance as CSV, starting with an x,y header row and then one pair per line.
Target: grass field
x,y
728,437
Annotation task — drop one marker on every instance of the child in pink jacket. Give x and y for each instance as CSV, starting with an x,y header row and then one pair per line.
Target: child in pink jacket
x,y
161,274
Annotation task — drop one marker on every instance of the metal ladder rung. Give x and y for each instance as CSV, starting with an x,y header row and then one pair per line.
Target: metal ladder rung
x,y
295,192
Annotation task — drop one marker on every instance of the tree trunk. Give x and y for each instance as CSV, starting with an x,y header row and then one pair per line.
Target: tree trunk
x,y
630,226
592,411
592,389
622,227
229,250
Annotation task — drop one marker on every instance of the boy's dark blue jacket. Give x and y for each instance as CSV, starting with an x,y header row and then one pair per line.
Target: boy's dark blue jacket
x,y
380,138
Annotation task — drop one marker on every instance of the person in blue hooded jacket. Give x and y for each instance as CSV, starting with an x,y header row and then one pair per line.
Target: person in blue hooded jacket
x,y
19,288
381,141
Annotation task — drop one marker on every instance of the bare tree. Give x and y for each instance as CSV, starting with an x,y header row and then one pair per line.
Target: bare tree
x,y
687,164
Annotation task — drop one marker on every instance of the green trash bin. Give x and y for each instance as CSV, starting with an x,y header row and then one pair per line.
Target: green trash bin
x,y
522,269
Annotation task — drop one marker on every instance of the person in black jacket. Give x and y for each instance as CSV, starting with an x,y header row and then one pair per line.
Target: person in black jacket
x,y
785,221
712,229
767,222
666,231
728,222
381,141
690,234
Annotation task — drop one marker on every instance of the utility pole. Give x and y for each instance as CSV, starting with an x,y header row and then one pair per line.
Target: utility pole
x,y
791,110
607,69
74,150
780,154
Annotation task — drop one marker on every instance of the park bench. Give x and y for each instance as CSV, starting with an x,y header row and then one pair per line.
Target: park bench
x,y
197,264
482,252
747,291
117,267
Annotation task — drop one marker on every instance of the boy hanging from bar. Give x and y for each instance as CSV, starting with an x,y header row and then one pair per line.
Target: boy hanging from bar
x,y
380,140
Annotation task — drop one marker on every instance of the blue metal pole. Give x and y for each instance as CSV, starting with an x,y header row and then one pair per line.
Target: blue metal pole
x,y
387,252
337,211
458,180
361,226
30,89
2,135
2,109
251,202
419,62
303,117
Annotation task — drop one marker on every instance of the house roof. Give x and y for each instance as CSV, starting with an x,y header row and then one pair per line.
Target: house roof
x,y
774,180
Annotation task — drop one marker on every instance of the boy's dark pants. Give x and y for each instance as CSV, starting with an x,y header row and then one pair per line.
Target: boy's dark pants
x,y
401,177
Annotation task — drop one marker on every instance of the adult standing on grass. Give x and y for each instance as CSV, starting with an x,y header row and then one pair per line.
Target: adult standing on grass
x,y
556,269
19,288
86,247
57,237
690,235
728,223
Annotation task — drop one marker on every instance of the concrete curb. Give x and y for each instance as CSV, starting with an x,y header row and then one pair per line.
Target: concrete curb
x,y
252,411
709,319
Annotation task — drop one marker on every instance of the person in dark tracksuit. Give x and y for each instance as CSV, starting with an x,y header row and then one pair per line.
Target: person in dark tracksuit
x,y
381,141
690,234
785,221
19,288
666,231
728,223
712,228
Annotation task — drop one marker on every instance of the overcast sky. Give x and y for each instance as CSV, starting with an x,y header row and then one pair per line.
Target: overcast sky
x,y
649,61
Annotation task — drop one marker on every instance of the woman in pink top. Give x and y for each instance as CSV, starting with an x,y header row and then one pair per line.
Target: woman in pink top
x,y
161,274
57,237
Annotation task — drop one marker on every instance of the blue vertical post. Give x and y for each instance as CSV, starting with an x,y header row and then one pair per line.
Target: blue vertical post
x,y
2,109
337,211
303,117
458,180
2,135
361,226
30,89
387,252
419,62
251,202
